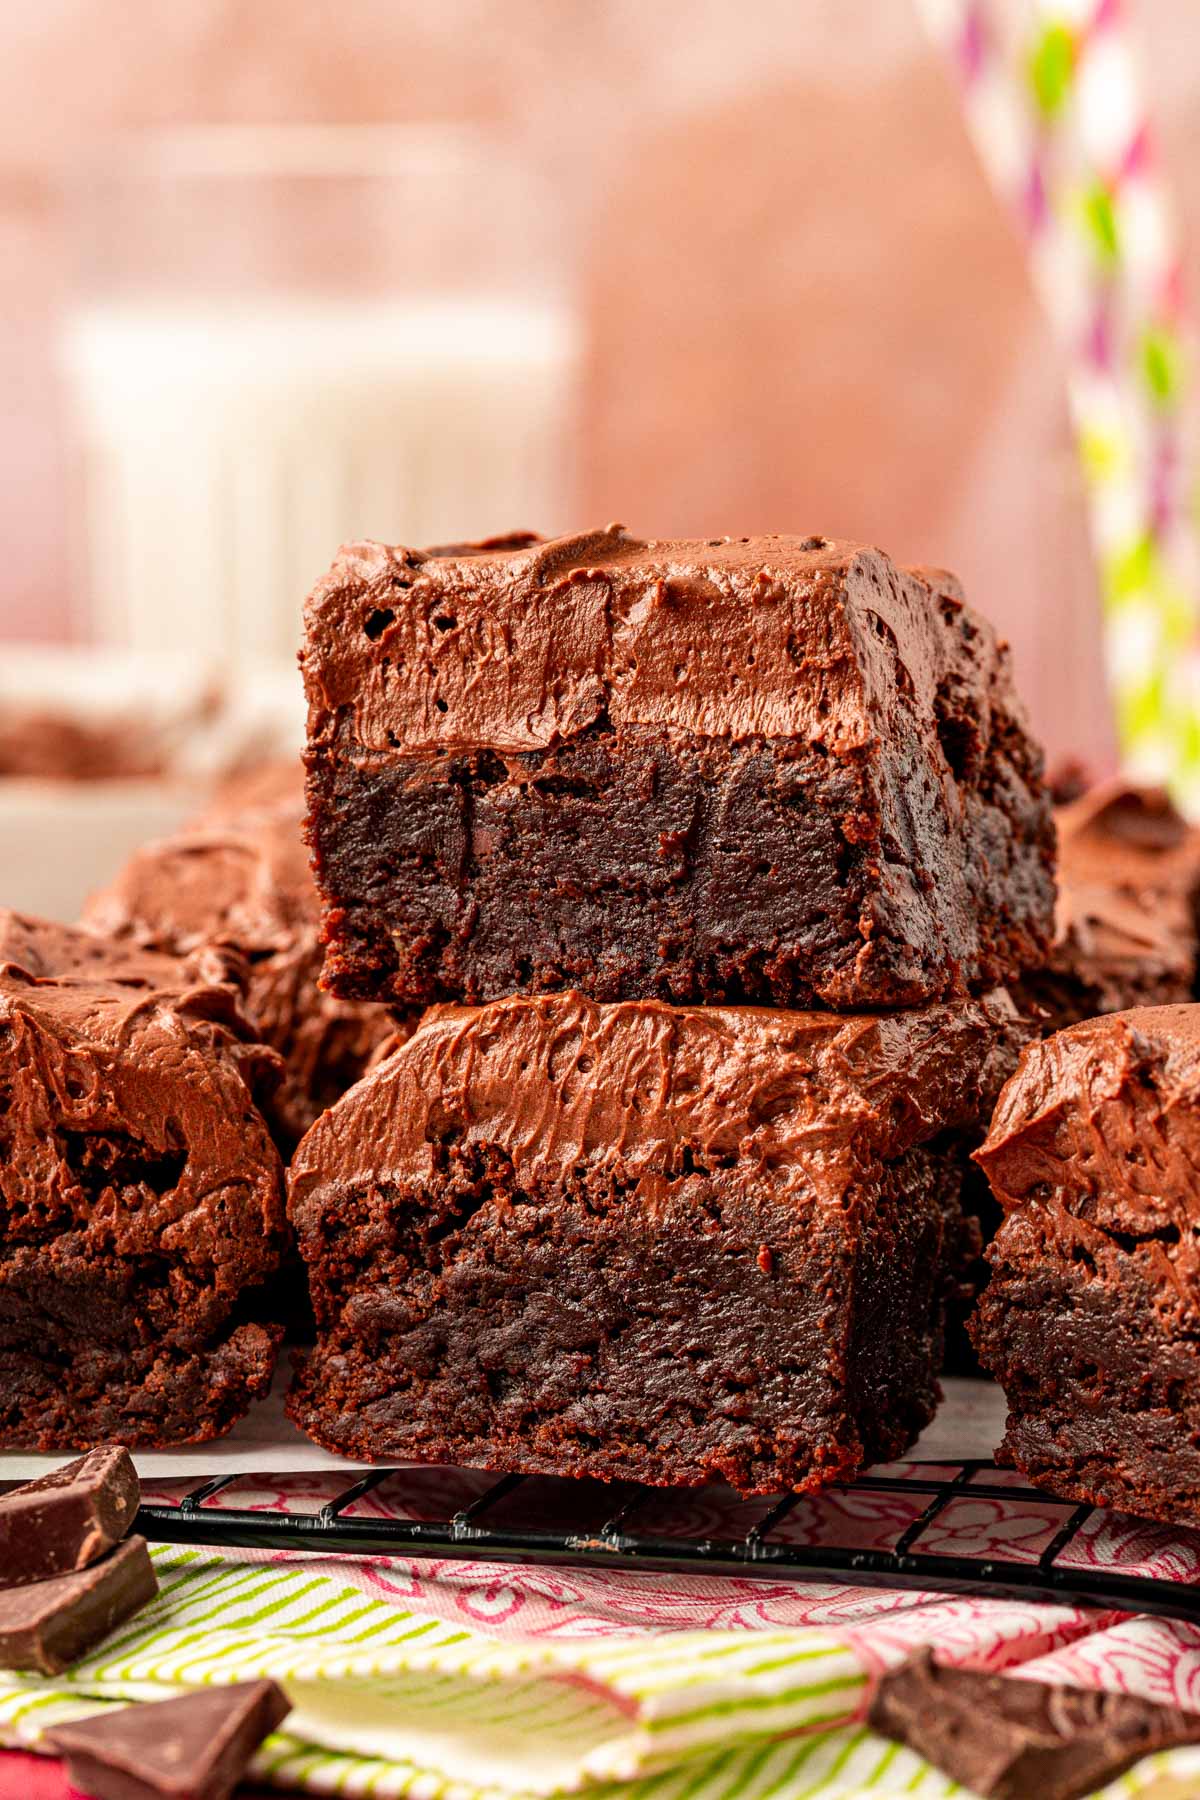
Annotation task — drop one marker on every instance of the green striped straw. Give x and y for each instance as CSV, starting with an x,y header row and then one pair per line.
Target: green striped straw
x,y
1054,98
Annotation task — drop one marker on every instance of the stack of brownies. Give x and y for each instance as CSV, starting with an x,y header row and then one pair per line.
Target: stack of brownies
x,y
711,860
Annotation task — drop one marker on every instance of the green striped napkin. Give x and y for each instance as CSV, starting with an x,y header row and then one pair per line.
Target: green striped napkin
x,y
388,1702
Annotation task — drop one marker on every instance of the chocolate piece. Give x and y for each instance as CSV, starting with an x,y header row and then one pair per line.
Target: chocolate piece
x,y
66,1519
195,1748
140,1204
246,886
1010,1739
1091,1320
760,769
48,1625
640,1241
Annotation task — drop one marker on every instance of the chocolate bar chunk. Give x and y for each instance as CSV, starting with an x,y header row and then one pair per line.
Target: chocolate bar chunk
x,y
194,1748
48,1625
67,1519
1011,1739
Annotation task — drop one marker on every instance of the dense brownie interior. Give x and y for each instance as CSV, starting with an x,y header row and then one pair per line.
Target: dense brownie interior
x,y
573,1332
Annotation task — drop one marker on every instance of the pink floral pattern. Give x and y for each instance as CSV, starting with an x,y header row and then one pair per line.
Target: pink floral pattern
x,y
1156,1657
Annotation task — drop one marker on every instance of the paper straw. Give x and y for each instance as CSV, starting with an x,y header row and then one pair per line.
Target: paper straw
x,y
1054,98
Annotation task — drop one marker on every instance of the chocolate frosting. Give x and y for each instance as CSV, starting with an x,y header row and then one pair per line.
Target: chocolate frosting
x,y
44,745
1012,1739
67,953
241,798
1099,1129
1126,915
801,1100
1128,839
246,887
142,1190
519,648
1112,950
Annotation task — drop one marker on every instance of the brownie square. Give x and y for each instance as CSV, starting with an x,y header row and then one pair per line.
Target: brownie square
x,y
141,1197
240,881
1126,919
674,1245
751,770
1091,1320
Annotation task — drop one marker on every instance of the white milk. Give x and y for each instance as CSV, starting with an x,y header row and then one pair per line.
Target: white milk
x,y
228,451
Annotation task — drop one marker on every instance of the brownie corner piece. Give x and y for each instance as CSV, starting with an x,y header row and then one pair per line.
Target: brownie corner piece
x,y
1091,1318
636,1241
141,1198
761,770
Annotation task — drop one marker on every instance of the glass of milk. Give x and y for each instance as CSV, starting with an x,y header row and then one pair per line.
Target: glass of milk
x,y
286,338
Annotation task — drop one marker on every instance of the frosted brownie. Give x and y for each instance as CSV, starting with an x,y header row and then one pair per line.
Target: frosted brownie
x,y
1091,1319
639,1241
769,769
1125,924
141,1197
241,881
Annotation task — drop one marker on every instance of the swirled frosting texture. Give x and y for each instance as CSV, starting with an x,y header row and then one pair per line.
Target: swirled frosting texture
x,y
1091,1318
1100,1126
798,1100
140,1195
523,648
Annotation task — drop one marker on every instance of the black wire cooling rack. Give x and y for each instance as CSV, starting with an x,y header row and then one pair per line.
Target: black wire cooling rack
x,y
1073,1556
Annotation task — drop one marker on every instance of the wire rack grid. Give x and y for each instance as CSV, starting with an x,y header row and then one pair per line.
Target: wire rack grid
x,y
889,1530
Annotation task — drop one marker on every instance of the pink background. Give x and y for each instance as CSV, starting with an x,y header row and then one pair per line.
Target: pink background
x,y
805,310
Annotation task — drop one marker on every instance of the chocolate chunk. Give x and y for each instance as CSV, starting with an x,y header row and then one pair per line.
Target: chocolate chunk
x,y
48,1625
1011,1739
69,1518
194,1748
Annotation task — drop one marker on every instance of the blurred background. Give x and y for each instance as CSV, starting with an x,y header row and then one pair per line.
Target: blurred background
x,y
275,273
